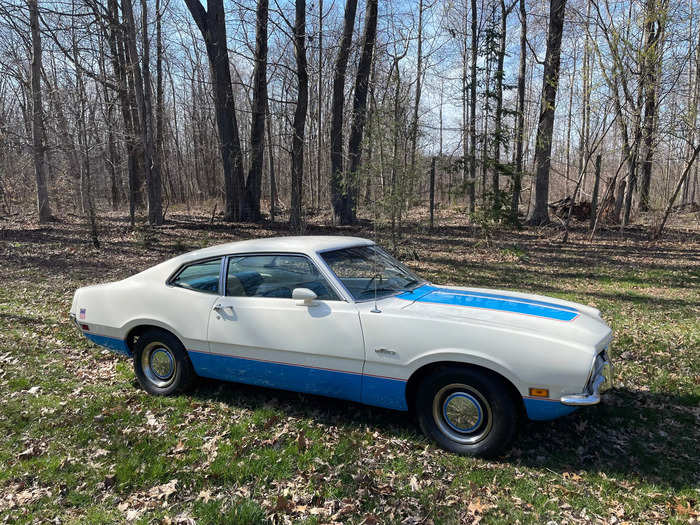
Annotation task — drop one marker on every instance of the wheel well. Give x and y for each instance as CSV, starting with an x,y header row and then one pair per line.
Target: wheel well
x,y
418,376
137,331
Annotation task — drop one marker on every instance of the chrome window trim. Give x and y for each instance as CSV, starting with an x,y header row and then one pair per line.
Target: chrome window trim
x,y
182,267
331,282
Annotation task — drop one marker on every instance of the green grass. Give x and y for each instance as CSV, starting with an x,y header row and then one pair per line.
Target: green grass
x,y
81,443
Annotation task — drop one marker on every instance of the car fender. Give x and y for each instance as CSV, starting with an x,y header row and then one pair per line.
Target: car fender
x,y
470,357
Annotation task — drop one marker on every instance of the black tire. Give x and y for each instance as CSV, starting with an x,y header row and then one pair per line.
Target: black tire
x,y
484,411
161,363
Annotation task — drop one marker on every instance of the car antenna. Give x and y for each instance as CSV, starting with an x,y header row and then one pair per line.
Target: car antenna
x,y
376,310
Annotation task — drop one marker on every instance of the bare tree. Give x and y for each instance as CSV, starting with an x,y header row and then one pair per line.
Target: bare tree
x,y
472,109
340,192
359,106
545,128
298,127
212,24
251,208
520,125
39,150
153,177
654,26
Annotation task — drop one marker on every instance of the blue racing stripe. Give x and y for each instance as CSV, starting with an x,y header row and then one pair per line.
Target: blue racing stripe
x,y
509,298
117,345
430,294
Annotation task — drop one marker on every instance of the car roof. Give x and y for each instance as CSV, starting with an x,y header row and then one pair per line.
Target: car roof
x,y
307,244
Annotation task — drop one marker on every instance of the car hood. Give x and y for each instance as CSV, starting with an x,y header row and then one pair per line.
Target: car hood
x,y
573,323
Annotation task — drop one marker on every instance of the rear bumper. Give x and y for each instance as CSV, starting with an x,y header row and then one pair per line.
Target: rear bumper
x,y
601,380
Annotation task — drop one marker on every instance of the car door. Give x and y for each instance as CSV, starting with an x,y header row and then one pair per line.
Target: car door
x,y
259,335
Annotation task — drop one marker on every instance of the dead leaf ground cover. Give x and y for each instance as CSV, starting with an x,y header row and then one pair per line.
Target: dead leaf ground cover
x,y
79,442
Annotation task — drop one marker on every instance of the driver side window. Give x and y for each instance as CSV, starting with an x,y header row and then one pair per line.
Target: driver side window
x,y
274,276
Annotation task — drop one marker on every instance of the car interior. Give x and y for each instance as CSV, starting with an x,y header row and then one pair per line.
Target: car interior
x,y
274,276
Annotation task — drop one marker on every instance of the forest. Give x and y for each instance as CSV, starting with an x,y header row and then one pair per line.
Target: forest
x,y
507,112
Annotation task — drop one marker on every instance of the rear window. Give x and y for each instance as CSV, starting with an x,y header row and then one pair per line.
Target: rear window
x,y
202,277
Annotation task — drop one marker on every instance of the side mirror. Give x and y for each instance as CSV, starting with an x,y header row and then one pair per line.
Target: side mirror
x,y
304,296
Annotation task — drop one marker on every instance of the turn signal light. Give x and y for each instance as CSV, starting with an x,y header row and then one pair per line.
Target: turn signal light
x,y
539,392
87,328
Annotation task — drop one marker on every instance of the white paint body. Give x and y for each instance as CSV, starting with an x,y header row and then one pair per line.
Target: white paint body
x,y
342,337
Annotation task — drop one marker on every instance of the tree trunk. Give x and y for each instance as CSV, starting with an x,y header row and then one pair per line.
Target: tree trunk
x,y
295,221
212,24
594,196
132,67
550,82
339,188
432,193
520,128
500,135
115,39
319,121
359,109
416,99
38,147
654,24
271,164
472,110
158,153
251,208
465,107
153,179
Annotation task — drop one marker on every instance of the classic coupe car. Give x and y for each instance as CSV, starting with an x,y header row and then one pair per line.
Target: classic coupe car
x,y
339,317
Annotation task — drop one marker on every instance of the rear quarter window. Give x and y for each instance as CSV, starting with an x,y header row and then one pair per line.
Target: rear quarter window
x,y
201,277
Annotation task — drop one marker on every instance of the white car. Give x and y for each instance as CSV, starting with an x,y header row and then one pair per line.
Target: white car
x,y
339,317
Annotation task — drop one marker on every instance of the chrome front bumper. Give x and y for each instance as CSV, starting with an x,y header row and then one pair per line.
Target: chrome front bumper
x,y
600,381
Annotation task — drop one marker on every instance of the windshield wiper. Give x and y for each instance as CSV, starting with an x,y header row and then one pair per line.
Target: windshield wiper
x,y
373,290
411,283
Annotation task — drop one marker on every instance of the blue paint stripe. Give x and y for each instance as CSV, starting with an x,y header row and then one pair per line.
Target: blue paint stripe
x,y
377,391
509,298
429,294
117,345
546,410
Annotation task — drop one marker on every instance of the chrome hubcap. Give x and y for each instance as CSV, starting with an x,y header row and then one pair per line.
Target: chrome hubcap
x,y
161,363
462,413
158,364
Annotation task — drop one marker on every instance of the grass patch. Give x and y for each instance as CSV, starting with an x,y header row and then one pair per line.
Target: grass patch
x,y
82,444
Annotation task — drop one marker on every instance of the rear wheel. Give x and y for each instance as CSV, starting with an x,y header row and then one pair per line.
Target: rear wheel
x,y
467,411
161,363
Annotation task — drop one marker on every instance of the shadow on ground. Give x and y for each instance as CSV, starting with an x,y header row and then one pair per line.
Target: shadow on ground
x,y
607,439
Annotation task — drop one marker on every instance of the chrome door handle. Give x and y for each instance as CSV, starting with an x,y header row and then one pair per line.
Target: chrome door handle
x,y
218,307
384,351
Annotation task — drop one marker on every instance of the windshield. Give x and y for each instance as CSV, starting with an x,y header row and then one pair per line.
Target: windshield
x,y
366,270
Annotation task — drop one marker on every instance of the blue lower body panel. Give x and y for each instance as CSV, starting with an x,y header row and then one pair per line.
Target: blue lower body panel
x,y
376,391
319,381
117,345
546,410
384,392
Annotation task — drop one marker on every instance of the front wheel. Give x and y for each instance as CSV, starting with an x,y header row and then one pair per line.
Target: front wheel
x,y
467,411
161,363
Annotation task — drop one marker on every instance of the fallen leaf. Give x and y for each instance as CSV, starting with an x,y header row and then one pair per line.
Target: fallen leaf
x,y
163,491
